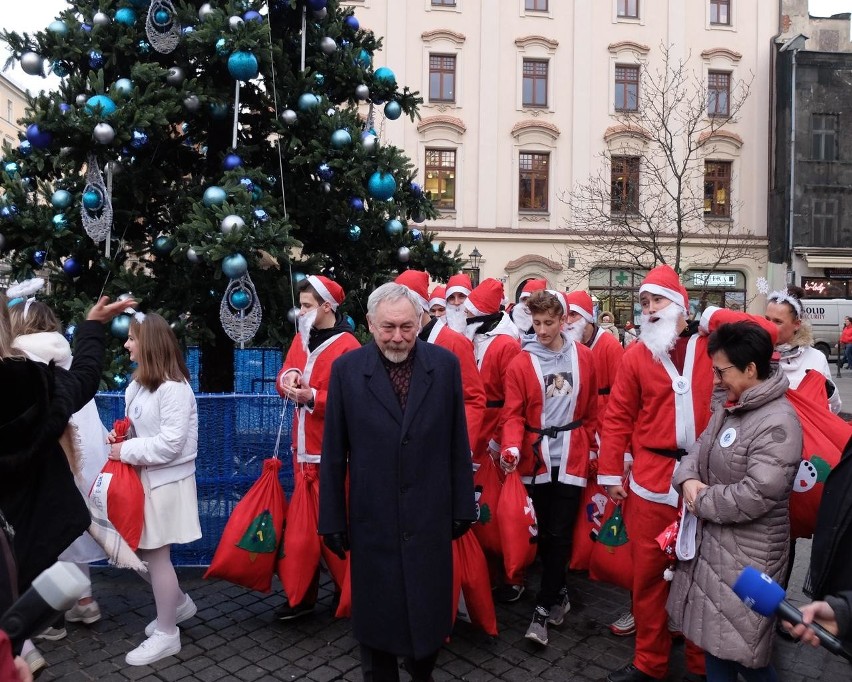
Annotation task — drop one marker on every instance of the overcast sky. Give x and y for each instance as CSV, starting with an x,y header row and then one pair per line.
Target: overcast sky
x,y
35,15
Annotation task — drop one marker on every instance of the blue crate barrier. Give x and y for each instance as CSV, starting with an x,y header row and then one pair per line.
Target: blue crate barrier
x,y
236,432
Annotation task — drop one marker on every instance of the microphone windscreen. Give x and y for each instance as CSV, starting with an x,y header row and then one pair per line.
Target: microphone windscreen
x,y
61,585
759,592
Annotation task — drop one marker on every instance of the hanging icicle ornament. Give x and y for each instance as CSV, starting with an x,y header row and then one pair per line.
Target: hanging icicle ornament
x,y
162,27
97,222
240,311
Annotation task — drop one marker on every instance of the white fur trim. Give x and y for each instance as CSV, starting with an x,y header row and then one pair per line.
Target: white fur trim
x,y
472,308
580,310
457,289
322,291
671,294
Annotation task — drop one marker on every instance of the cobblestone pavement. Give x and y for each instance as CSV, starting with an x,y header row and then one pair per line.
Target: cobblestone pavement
x,y
235,636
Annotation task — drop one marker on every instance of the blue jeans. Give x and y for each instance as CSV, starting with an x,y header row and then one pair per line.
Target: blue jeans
x,y
720,670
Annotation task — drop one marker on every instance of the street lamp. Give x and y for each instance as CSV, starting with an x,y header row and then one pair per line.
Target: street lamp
x,y
474,258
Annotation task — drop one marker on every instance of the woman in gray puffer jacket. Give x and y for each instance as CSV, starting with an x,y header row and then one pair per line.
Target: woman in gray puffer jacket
x,y
737,480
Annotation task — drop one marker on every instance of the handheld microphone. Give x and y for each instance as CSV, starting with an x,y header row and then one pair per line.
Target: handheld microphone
x,y
54,589
763,595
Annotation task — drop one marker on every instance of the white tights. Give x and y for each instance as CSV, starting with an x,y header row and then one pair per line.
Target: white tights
x,y
167,593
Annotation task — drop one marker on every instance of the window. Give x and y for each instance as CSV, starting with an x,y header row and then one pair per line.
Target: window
x,y
628,9
624,192
720,12
535,83
535,5
626,88
443,3
824,137
9,111
532,194
442,78
717,189
718,93
440,182
824,223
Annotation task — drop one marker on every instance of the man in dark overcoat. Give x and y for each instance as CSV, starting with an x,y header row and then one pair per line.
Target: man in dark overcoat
x,y
395,424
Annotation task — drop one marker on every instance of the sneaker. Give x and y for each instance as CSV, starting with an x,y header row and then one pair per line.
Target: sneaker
x,y
557,612
288,612
624,626
87,614
35,661
52,634
507,594
184,612
537,631
630,673
156,647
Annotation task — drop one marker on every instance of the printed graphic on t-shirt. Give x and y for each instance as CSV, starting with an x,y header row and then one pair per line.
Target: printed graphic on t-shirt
x,y
558,384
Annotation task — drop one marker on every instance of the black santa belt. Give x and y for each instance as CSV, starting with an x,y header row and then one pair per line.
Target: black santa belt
x,y
494,403
549,432
677,454
605,390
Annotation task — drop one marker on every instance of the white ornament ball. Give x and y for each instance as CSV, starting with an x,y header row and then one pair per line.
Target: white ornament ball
x,y
175,76
289,116
331,111
369,143
32,63
192,256
100,19
104,133
235,22
81,100
205,11
328,45
231,223
192,103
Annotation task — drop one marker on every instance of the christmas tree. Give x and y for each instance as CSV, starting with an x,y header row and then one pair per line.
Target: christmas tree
x,y
205,156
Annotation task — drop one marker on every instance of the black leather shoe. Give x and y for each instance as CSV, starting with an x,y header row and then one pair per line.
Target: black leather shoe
x,y
694,677
630,673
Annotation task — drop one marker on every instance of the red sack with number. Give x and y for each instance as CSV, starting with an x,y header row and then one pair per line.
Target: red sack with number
x,y
248,550
518,528
613,565
118,493
487,485
470,573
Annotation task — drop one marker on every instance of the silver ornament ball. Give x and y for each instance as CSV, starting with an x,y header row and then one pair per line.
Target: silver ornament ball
x,y
104,133
175,76
328,45
404,254
192,103
362,92
326,187
231,223
81,100
32,63
292,315
100,19
235,22
205,11
289,117
192,256
321,14
369,142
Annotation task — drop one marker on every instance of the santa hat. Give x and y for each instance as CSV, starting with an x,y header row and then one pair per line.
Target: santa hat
x,y
459,284
580,302
560,296
664,281
530,286
417,282
486,298
329,291
438,297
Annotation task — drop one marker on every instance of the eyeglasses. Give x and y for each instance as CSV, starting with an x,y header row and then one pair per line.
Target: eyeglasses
x,y
720,371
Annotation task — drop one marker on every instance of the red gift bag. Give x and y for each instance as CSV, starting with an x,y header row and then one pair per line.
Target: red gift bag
x,y
117,492
344,606
248,550
518,527
609,564
301,549
588,524
487,485
470,574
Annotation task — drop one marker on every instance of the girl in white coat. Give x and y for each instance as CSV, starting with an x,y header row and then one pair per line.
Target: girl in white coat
x,y
163,445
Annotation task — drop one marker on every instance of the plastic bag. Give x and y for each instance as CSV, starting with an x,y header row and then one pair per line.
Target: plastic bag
x,y
487,486
117,493
518,527
470,574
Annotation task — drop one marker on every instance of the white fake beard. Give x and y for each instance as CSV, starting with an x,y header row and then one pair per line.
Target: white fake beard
x,y
522,317
575,330
456,318
306,321
471,329
660,336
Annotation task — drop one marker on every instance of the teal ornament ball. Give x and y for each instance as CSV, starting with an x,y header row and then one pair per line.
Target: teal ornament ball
x,y
393,227
234,266
59,69
120,327
57,27
92,200
143,46
299,276
163,245
385,76
240,299
61,198
319,79
221,47
364,59
11,168
60,222
123,86
340,139
125,16
218,111
381,185
242,65
100,104
214,196
393,110
308,102
436,247
162,17
354,233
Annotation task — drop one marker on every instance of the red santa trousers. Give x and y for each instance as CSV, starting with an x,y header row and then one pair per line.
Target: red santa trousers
x,y
650,591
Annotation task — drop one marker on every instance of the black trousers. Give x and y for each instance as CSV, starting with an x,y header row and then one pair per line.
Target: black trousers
x,y
556,507
380,666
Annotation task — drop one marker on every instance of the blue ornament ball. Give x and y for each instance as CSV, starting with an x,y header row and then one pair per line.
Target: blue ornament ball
x,y
350,322
120,380
240,299
354,233
162,17
260,215
96,59
393,110
352,23
164,245
436,247
64,108
234,266
317,5
252,15
100,104
308,102
299,276
393,227
231,161
381,185
221,47
325,172
385,76
59,69
8,212
60,222
57,27
214,196
416,235
416,190
218,111
256,193
37,137
25,148
242,65
11,168
70,330
340,139
125,16
93,200
186,30
247,184
139,139
143,46
39,257
72,267
120,327
86,27
61,198
356,204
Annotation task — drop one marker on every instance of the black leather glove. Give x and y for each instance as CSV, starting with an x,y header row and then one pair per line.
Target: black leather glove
x,y
460,527
338,543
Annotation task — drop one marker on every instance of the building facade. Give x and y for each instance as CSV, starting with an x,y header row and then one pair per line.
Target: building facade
x,y
523,104
13,101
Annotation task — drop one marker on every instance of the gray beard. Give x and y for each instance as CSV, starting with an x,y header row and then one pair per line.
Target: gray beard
x,y
456,318
576,329
395,356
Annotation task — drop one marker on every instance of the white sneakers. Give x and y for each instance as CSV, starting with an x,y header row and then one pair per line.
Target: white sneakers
x,y
158,646
184,612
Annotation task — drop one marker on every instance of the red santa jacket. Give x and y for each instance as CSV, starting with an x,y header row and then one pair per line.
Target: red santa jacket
x,y
474,392
315,371
525,407
607,353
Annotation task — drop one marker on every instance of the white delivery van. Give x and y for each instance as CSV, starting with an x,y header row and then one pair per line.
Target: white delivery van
x,y
826,318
